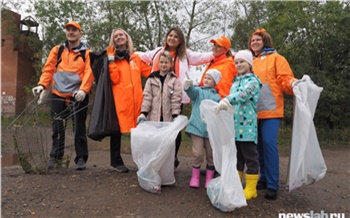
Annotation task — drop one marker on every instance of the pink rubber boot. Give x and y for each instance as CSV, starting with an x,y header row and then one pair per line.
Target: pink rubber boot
x,y
194,183
208,176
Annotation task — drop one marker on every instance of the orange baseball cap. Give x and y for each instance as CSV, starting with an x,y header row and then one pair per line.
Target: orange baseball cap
x,y
222,41
73,23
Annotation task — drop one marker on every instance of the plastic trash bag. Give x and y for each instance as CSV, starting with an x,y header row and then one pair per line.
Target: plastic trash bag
x,y
153,151
104,120
225,192
306,163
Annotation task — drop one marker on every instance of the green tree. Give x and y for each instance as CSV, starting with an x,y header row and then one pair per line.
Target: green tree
x,y
311,35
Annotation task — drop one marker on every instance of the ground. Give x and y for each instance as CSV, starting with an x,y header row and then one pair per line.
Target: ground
x,y
100,192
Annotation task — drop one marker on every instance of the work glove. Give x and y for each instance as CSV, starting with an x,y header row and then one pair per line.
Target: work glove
x,y
37,89
296,82
111,52
79,95
187,83
224,104
141,118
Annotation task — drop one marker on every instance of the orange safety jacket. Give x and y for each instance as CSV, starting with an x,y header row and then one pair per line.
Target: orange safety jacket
x,y
72,73
127,89
228,71
276,76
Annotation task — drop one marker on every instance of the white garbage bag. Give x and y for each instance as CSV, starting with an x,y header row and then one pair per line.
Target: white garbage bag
x,y
225,192
306,163
153,151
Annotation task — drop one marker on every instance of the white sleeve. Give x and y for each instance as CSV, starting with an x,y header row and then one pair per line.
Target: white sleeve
x,y
198,58
148,56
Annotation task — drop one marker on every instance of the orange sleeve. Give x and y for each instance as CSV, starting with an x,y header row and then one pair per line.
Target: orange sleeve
x,y
284,74
114,72
146,69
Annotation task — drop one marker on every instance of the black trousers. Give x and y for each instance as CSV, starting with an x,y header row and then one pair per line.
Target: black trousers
x,y
247,154
115,147
178,138
61,109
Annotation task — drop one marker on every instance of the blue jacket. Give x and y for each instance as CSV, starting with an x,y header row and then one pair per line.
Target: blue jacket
x,y
197,94
244,96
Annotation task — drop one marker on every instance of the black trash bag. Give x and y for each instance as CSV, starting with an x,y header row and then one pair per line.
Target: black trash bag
x,y
104,120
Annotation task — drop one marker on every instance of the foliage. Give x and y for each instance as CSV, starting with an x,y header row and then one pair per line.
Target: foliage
x,y
310,34
312,37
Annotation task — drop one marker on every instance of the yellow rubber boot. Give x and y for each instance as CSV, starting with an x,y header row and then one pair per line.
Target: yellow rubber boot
x,y
250,186
240,173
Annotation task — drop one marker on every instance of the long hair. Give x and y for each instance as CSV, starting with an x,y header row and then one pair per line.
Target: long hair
x,y
129,43
181,49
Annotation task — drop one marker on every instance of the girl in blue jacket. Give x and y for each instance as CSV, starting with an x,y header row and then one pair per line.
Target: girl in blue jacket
x,y
197,129
244,95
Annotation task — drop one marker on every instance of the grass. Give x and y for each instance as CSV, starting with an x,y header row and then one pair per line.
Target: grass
x,y
327,138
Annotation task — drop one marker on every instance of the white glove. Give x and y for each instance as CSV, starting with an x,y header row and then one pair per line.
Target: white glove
x,y
224,104
187,83
141,118
79,95
37,89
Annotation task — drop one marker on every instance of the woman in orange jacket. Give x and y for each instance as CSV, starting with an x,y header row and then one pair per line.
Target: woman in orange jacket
x,y
125,69
277,78
223,62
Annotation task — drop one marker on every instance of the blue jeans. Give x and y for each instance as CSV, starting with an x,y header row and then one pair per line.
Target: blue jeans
x,y
268,151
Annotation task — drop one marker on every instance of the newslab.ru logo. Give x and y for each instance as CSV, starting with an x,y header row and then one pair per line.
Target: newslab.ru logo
x,y
311,214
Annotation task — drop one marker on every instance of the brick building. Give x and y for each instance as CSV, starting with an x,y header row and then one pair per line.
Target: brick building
x,y
17,69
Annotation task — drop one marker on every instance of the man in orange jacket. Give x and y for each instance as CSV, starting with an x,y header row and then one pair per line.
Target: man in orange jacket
x,y
71,78
223,62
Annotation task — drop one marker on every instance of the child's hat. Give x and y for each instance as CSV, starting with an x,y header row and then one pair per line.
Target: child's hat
x,y
215,74
245,55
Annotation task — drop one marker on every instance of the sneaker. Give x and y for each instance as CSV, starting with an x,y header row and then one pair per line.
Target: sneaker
x,y
271,194
261,185
81,164
121,169
52,164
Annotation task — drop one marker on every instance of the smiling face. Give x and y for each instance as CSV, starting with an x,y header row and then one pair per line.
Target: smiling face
x,y
218,50
173,40
256,44
164,64
120,39
73,34
242,66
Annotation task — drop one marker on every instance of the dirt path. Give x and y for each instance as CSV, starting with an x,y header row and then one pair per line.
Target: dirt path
x,y
100,192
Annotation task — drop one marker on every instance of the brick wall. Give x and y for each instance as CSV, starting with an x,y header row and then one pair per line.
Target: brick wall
x,y
16,67
9,60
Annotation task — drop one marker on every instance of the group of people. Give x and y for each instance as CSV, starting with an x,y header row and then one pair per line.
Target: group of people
x,y
253,82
